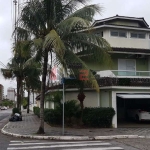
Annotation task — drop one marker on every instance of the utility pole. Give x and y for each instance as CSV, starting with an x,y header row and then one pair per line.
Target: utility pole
x,y
15,3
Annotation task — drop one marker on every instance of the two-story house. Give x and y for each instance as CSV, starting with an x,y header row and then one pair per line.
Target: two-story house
x,y
127,82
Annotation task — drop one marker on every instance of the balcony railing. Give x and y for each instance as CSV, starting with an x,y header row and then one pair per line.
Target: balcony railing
x,y
129,73
124,73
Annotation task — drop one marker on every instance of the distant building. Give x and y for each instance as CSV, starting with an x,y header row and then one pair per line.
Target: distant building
x,y
11,94
1,92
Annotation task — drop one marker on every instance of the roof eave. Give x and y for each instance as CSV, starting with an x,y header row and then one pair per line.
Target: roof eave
x,y
121,17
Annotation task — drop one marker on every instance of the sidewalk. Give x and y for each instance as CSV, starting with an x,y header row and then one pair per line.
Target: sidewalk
x,y
30,124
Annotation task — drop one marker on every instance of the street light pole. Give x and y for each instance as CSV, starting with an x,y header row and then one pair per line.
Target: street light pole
x,y
15,3
63,105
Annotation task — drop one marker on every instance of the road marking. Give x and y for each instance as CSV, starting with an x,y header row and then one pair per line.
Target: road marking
x,y
103,148
66,145
23,141
56,146
29,142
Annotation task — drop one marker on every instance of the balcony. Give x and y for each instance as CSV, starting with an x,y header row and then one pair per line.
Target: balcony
x,y
123,78
124,73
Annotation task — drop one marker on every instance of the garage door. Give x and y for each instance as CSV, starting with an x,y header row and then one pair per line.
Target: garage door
x,y
134,96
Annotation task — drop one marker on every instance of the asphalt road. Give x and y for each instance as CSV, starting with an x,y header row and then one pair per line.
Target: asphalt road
x,y
4,140
12,143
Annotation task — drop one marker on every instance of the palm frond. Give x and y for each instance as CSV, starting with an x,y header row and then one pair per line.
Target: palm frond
x,y
22,34
70,57
54,43
87,12
72,24
88,44
69,6
7,73
33,18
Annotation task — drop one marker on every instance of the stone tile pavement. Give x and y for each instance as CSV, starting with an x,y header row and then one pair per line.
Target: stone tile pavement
x,y
30,124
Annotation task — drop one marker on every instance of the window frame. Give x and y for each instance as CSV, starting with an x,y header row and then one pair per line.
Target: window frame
x,y
138,33
118,33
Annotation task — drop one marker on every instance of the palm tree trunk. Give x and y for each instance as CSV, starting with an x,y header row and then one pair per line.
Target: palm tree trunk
x,y
33,97
19,93
28,103
44,73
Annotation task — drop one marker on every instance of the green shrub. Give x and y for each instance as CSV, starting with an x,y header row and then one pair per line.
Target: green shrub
x,y
98,117
6,102
72,109
15,110
24,102
53,116
36,111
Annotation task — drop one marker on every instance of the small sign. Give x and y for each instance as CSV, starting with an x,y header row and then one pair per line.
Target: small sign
x,y
63,79
83,76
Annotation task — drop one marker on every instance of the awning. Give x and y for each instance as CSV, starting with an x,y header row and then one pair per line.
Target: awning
x,y
134,96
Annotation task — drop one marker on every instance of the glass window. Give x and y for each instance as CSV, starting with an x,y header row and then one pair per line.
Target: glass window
x,y
133,35
122,34
141,36
138,35
114,33
118,33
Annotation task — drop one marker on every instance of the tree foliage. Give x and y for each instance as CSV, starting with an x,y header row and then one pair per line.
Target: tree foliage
x,y
64,28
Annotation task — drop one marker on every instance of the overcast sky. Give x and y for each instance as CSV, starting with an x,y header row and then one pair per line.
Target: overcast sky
x,y
132,8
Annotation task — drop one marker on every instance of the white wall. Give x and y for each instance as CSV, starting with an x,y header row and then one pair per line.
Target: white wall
x,y
127,42
114,105
91,99
104,98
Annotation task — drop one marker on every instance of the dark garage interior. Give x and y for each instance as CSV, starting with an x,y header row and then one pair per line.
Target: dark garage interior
x,y
125,102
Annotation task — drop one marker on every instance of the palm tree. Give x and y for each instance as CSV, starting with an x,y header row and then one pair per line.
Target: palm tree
x,y
32,80
18,67
55,27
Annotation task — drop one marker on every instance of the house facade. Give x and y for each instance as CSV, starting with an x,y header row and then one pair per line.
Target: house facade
x,y
126,82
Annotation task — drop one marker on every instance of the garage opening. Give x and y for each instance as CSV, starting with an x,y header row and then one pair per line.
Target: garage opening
x,y
133,109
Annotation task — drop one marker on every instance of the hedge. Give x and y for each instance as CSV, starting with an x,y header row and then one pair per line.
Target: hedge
x,y
98,117
124,81
92,117
36,111
52,116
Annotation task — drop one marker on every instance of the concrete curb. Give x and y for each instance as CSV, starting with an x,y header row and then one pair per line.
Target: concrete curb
x,y
68,138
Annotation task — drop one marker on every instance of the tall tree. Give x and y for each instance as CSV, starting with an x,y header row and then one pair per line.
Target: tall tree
x,y
58,26
32,80
18,67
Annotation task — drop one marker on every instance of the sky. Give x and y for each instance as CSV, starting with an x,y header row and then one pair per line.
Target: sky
x,y
131,8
